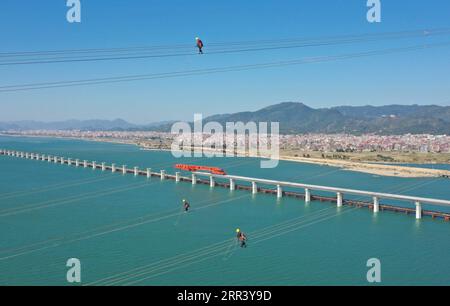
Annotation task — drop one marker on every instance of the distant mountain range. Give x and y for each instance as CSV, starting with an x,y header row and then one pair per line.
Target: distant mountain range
x,y
85,125
391,119
294,117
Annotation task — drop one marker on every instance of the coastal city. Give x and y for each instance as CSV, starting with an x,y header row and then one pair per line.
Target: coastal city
x,y
408,143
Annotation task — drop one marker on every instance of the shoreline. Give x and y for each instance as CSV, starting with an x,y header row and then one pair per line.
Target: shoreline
x,y
362,167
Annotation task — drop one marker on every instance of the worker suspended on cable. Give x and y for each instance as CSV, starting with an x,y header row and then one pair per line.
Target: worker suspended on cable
x,y
186,205
242,239
199,45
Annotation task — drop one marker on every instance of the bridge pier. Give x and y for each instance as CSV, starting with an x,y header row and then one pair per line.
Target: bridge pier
x,y
163,174
77,162
113,168
149,172
94,165
55,160
279,191
177,176
69,161
339,199
212,183
136,171
124,169
62,160
103,167
85,163
254,188
194,179
376,204
418,210
307,195
232,185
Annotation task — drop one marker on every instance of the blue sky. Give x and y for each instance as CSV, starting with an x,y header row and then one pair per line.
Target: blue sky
x,y
32,25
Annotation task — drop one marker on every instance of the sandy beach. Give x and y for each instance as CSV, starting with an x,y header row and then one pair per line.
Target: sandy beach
x,y
370,168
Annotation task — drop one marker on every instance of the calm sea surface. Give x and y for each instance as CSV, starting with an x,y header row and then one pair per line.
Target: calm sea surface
x,y
131,230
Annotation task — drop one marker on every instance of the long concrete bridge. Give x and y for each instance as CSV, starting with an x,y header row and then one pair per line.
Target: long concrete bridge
x,y
233,182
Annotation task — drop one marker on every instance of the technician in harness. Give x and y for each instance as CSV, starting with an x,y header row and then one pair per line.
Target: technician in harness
x,y
199,45
186,205
242,239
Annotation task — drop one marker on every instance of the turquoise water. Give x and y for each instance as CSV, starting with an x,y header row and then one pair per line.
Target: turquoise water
x,y
130,230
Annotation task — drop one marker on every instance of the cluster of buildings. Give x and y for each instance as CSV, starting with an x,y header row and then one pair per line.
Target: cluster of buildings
x,y
303,142
422,143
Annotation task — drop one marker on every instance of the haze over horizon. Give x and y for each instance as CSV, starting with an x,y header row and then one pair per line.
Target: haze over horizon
x,y
162,120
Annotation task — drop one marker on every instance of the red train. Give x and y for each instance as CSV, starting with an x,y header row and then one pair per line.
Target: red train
x,y
193,168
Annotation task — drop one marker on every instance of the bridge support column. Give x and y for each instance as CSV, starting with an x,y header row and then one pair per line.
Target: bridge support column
x,y
124,169
62,160
339,199
307,195
177,176
232,185
418,210
149,172
77,162
136,171
254,188
279,191
194,179
376,204
103,166
163,174
69,162
56,160
43,157
212,183
85,163
94,165
113,168
26,155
